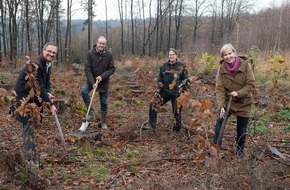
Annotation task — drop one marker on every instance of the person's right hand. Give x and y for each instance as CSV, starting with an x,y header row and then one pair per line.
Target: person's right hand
x,y
222,113
160,85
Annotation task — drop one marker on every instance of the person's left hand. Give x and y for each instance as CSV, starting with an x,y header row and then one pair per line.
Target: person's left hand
x,y
234,94
99,78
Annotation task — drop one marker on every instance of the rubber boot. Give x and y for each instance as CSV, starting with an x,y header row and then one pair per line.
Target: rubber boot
x,y
91,114
103,120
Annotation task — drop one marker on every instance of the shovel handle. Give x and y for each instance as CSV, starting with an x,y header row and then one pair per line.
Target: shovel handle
x,y
60,132
94,91
221,133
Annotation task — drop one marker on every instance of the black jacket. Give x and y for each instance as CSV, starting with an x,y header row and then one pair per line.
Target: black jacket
x,y
22,90
171,76
99,65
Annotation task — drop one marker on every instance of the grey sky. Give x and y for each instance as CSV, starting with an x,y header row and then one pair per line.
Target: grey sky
x,y
113,13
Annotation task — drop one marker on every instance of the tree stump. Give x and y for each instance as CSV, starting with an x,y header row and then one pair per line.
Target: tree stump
x,y
76,69
5,86
60,105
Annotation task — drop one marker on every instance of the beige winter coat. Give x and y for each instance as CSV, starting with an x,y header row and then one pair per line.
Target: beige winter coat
x,y
243,82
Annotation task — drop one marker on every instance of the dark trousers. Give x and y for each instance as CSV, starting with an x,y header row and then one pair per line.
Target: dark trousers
x,y
242,125
29,144
176,113
103,96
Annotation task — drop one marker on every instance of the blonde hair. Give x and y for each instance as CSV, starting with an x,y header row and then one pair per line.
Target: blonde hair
x,y
227,46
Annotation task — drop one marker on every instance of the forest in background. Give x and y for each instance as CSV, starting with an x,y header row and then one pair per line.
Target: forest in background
x,y
193,27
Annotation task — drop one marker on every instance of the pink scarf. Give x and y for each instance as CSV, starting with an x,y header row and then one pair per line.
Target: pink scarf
x,y
233,68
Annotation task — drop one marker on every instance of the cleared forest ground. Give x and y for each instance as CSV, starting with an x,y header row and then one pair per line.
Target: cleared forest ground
x,y
119,158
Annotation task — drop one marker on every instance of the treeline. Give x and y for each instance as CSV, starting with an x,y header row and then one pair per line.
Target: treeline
x,y
146,27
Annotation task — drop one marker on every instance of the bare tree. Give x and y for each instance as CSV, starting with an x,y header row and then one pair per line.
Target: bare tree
x,y
199,9
90,22
12,9
132,29
28,38
3,34
213,21
106,11
121,14
67,44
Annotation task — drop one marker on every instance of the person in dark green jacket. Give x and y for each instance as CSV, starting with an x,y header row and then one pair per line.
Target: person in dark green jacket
x,y
171,75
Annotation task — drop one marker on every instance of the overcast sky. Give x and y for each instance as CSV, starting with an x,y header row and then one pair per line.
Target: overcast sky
x,y
113,13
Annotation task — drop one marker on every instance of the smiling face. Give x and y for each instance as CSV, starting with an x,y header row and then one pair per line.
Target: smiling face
x,y
229,56
101,43
49,53
172,56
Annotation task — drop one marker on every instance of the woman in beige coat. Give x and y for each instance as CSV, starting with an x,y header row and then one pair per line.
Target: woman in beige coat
x,y
234,78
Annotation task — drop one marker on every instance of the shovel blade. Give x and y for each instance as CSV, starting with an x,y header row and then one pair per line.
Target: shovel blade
x,y
84,126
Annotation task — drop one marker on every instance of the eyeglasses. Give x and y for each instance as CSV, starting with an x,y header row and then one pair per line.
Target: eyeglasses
x,y
50,51
172,54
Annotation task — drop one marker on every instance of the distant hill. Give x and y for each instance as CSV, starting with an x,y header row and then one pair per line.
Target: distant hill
x,y
79,24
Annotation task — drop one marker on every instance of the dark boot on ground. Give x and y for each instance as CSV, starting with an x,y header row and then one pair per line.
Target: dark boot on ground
x,y
176,128
103,120
240,146
91,115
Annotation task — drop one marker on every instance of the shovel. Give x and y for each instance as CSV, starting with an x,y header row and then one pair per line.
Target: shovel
x,y
86,123
221,134
60,132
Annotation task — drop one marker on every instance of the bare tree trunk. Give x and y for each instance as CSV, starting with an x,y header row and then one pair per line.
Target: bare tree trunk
x,y
2,23
132,29
13,8
278,37
90,23
121,14
158,25
28,37
106,10
39,6
58,31
67,44
213,22
178,15
169,24
144,29
198,12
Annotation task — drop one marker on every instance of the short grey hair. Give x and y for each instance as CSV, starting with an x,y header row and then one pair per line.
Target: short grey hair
x,y
50,44
227,46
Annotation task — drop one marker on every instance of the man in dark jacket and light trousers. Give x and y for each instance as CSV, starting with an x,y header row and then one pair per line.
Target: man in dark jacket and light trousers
x,y
99,66
33,92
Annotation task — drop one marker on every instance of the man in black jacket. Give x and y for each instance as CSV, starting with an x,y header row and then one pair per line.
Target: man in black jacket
x,y
33,93
98,67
